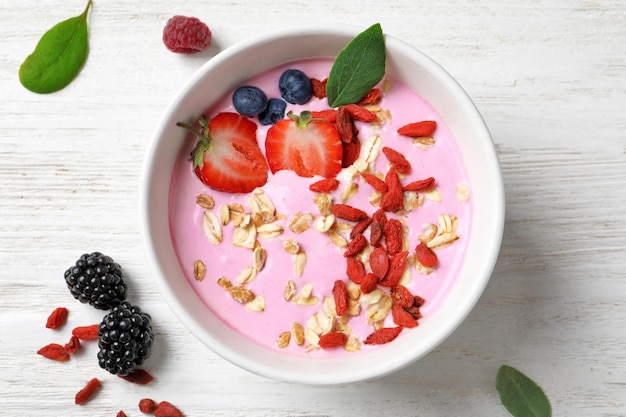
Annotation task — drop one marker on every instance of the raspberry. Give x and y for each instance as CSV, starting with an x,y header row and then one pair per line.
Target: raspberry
x,y
186,35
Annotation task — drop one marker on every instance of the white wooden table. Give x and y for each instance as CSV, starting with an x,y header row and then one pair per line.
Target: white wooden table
x,y
550,80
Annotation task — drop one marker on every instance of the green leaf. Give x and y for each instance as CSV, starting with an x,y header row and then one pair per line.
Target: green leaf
x,y
58,57
520,395
357,68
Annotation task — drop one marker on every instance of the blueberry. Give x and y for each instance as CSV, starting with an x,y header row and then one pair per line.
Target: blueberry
x,y
249,100
295,87
274,111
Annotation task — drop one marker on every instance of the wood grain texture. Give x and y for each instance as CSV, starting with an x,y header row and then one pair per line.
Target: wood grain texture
x,y
549,79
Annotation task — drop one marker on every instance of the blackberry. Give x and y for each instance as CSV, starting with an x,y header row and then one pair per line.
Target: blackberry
x,y
125,339
96,279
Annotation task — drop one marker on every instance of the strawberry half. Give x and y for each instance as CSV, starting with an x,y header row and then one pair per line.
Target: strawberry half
x,y
304,145
227,156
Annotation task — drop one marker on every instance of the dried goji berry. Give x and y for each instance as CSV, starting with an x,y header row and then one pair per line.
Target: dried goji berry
x,y
401,317
397,263
392,200
120,414
401,296
355,270
329,115
55,352
360,113
57,318
147,405
376,233
418,301
418,129
414,312
380,216
376,183
393,236
397,160
86,332
360,227
425,255
332,340
371,97
355,246
138,376
382,336
326,185
351,151
369,283
319,87
73,345
87,392
420,186
346,212
379,262
340,295
167,409
344,125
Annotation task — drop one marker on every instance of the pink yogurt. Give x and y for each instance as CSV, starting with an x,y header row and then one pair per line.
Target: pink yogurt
x,y
290,194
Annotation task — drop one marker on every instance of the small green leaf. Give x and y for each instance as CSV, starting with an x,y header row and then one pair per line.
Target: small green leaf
x,y
357,68
58,57
520,395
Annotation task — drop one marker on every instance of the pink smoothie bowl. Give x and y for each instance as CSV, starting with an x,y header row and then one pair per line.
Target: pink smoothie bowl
x,y
226,71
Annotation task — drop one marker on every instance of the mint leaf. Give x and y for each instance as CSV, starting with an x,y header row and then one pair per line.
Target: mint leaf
x,y
520,395
58,57
357,68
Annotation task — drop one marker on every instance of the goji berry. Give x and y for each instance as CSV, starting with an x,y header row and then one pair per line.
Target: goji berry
x,y
360,113
369,283
376,233
376,183
401,296
393,236
418,129
392,200
340,295
351,151
319,87
73,345
401,317
355,270
167,409
326,185
87,392
57,318
380,216
397,263
418,301
138,376
329,115
360,227
425,255
397,160
346,212
86,332
379,262
420,185
414,312
332,340
344,125
120,414
55,352
355,246
382,336
147,405
371,97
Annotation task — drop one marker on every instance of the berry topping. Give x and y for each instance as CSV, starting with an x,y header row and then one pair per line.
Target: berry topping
x,y
295,87
304,145
274,112
249,100
125,339
227,156
186,35
96,279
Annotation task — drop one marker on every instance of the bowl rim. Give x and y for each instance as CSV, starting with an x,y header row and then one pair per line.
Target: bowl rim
x,y
254,365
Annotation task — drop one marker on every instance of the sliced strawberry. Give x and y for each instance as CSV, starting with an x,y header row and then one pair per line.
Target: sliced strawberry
x,y
227,156
304,145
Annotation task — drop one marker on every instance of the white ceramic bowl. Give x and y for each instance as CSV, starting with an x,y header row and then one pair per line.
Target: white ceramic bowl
x,y
227,70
